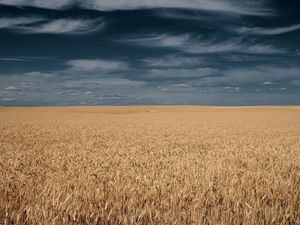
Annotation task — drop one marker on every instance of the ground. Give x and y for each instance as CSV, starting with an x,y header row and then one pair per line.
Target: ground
x,y
150,165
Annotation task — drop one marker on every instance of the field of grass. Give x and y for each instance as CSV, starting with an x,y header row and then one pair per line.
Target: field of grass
x,y
150,165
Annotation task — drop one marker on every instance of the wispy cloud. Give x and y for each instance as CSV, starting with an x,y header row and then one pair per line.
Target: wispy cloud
x,y
96,65
225,6
13,59
53,4
162,74
63,26
163,40
11,22
266,75
195,45
268,83
210,5
173,61
183,15
267,31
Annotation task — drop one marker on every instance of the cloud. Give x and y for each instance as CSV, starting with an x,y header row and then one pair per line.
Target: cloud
x,y
96,65
195,45
268,83
162,74
13,59
92,85
12,88
8,99
295,82
18,21
53,4
265,75
40,88
256,8
120,82
163,40
267,31
63,26
173,61
177,88
251,77
183,15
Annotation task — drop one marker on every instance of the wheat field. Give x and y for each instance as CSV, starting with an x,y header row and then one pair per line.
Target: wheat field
x,y
150,165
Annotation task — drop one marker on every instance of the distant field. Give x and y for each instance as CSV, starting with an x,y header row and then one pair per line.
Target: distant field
x,y
150,165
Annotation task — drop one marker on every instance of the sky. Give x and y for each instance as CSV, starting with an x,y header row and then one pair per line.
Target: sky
x,y
149,52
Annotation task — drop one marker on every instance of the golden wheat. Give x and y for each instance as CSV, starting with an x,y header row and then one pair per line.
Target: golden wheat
x,y
150,165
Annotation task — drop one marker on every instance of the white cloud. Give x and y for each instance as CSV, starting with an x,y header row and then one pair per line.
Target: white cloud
x,y
210,5
173,61
17,21
158,74
120,82
177,88
51,4
268,31
268,83
195,45
12,88
181,85
103,84
259,75
8,99
163,40
96,65
229,46
227,6
238,89
13,59
64,26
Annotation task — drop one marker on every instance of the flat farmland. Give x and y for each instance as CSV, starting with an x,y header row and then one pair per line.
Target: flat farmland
x,y
150,165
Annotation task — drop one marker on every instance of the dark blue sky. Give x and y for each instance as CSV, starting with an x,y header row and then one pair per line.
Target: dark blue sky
x,y
112,52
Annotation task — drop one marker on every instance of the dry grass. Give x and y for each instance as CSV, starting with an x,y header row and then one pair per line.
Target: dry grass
x,y
150,165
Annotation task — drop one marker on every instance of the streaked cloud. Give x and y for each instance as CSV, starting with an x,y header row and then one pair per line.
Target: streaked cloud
x,y
256,8
11,22
13,59
96,65
8,99
53,4
12,88
268,83
172,61
63,26
267,31
266,75
196,45
162,74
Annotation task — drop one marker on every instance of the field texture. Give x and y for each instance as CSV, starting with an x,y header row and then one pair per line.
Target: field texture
x,y
150,165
